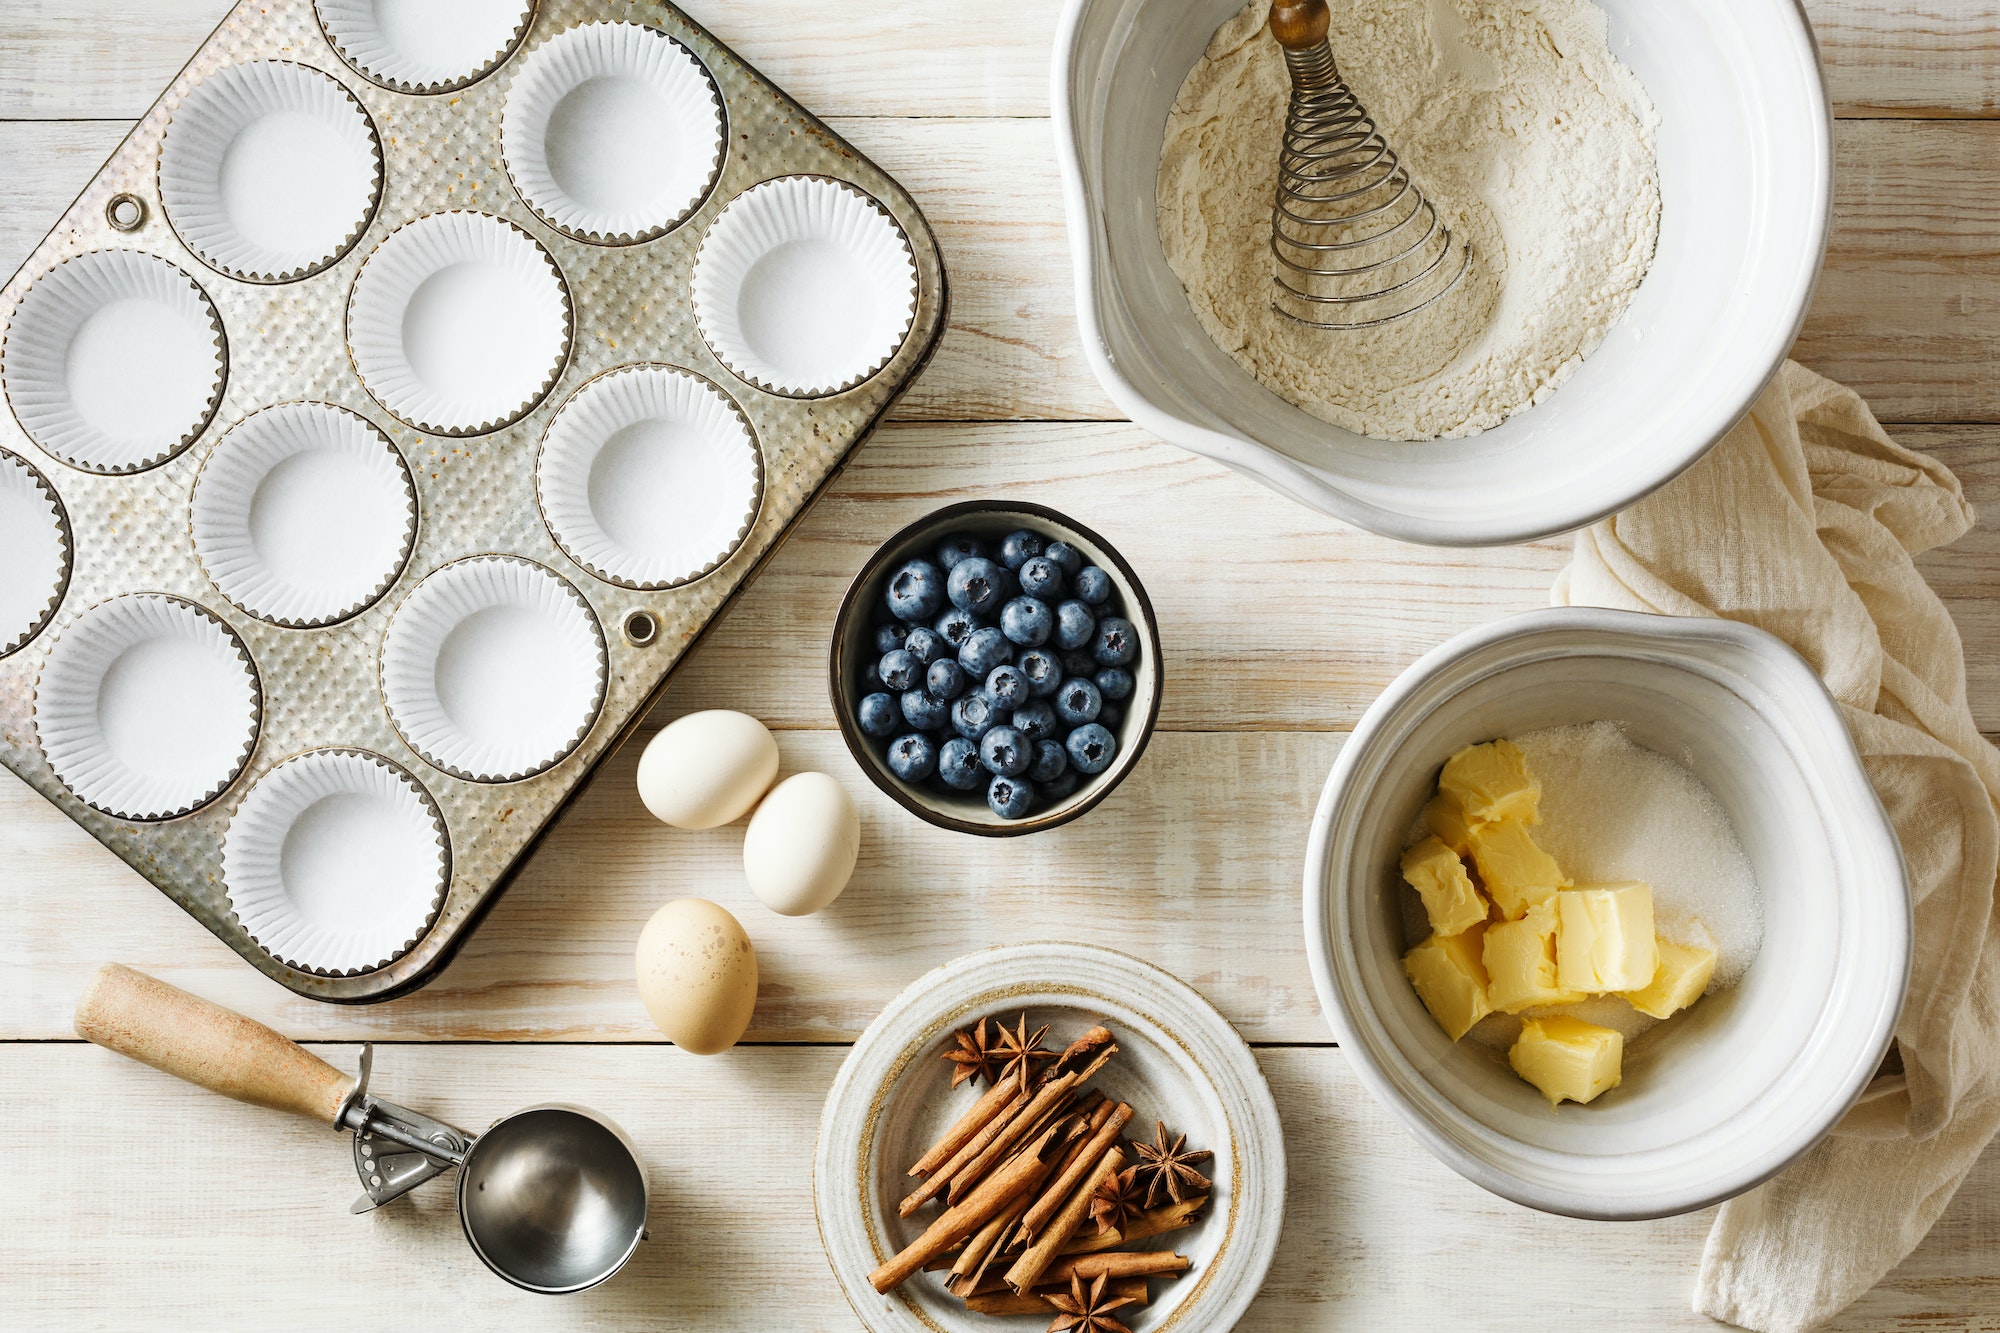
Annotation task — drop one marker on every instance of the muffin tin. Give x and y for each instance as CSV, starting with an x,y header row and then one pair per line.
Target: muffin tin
x,y
326,573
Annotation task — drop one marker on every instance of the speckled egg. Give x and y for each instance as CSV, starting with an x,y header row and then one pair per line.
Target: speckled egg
x,y
708,768
697,975
799,850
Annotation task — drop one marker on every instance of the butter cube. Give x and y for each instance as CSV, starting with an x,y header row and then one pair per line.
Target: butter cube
x,y
1678,982
1520,959
1517,874
1604,938
1446,818
1439,877
1492,782
1447,974
1567,1058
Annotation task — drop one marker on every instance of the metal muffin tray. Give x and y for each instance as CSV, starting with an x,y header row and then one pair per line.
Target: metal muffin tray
x,y
320,688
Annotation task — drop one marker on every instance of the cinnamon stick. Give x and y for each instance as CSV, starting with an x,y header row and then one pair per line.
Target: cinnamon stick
x,y
967,1125
1023,1123
1052,1198
941,1178
959,1222
1117,1263
1156,1222
1131,1289
1027,1270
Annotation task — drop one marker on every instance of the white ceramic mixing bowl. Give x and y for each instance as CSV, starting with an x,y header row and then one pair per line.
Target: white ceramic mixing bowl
x,y
1745,158
1719,1097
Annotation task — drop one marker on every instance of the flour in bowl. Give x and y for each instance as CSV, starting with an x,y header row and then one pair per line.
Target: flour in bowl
x,y
1535,144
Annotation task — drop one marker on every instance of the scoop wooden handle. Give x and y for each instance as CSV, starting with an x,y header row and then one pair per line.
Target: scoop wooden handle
x,y
207,1045
1298,24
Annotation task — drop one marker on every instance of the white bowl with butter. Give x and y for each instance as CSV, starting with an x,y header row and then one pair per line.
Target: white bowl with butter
x,y
1721,1096
1746,180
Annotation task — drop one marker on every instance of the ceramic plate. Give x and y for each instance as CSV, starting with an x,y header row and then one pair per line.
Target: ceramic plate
x,y
1179,1061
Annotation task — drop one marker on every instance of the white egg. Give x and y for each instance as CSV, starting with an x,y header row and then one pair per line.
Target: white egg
x,y
697,975
707,769
799,850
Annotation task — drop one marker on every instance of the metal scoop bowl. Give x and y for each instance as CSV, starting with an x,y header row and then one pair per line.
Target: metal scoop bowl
x,y
552,1198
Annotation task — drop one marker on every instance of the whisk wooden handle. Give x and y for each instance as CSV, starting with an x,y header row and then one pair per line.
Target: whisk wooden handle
x,y
212,1047
1298,24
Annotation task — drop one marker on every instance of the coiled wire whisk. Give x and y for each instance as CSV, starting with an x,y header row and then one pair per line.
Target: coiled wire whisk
x,y
1356,242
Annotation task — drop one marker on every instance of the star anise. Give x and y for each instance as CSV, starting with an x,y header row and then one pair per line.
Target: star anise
x,y
1019,1053
976,1056
1087,1311
1119,1199
1167,1169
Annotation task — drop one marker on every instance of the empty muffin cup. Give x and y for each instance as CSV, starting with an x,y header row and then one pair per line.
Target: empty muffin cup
x,y
612,132
34,552
804,286
424,46
114,361
147,707
649,476
459,323
493,669
336,862
269,170
304,514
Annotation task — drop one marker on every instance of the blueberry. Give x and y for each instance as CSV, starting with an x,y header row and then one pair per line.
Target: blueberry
x,y
1114,683
976,585
1008,687
1060,787
1079,664
1044,673
955,627
888,638
1091,748
1027,622
1110,716
878,715
954,549
958,764
945,680
927,645
975,715
924,712
985,649
898,670
1091,584
1006,751
1116,643
912,758
916,591
1064,557
1051,762
1078,702
1020,546
1074,625
1009,798
1035,720
1040,578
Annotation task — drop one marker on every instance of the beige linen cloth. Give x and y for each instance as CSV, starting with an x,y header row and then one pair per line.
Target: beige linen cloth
x,y
1804,520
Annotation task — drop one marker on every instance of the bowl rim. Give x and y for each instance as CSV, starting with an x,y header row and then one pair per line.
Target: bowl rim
x,y
1086,797
1576,1198
1291,478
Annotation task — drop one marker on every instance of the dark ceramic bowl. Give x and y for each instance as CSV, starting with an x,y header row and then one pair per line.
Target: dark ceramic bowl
x,y
854,626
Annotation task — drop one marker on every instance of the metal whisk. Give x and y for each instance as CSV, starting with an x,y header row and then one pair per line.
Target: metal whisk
x,y
1357,243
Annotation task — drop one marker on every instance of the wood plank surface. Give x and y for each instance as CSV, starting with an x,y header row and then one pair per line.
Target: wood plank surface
x,y
904,57
224,1215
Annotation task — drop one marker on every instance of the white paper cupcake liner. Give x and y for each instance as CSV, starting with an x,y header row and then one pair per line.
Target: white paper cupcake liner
x,y
270,170
459,323
804,286
114,361
336,862
147,707
649,477
493,669
34,552
304,514
424,46
612,132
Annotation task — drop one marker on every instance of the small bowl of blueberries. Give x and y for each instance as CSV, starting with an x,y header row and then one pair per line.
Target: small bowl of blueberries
x,y
996,668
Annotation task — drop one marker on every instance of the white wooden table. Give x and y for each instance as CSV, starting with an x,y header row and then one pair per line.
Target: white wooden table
x,y
131,1201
